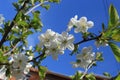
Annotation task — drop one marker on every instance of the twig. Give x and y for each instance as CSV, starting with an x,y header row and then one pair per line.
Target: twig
x,y
34,7
4,63
86,70
85,40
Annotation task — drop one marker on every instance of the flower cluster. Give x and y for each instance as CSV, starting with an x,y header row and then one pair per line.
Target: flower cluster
x,y
85,58
19,66
81,25
56,43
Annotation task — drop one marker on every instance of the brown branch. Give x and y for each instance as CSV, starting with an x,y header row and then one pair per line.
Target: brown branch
x,y
4,63
12,24
86,40
39,56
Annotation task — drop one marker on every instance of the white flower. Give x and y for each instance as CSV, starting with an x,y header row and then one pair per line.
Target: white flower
x,y
19,66
20,61
83,25
54,49
84,58
46,38
66,41
1,19
3,73
72,22
27,68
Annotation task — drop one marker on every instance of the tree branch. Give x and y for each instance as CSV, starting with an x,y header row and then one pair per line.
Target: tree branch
x,y
4,63
12,24
34,7
85,40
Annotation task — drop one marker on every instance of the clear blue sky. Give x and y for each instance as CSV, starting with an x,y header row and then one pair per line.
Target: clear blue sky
x,y
57,19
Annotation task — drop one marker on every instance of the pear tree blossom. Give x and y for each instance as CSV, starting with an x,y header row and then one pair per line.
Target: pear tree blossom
x,y
19,65
81,25
66,41
84,58
47,37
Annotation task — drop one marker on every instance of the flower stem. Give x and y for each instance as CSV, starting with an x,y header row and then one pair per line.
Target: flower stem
x,y
86,70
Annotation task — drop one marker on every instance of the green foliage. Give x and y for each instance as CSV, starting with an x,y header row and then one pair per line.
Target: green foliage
x,y
116,51
99,56
107,74
42,72
118,77
77,76
116,35
114,17
16,5
2,57
90,77
56,1
46,6
36,22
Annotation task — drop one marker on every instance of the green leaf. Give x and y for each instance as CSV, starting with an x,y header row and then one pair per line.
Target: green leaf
x,y
2,57
46,6
118,77
42,72
77,76
114,17
55,1
116,34
22,23
116,51
90,77
99,56
36,22
107,74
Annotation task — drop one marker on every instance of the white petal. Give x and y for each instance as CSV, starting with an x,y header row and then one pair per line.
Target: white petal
x,y
70,46
83,19
90,24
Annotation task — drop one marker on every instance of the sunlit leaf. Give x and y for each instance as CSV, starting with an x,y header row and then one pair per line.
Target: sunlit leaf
x,y
118,77
114,17
90,77
116,51
107,74
42,72
116,34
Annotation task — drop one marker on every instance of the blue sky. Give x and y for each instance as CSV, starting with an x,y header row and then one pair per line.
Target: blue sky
x,y
57,18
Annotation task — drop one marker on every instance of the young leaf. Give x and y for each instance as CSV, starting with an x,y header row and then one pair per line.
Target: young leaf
x,y
114,17
42,72
90,77
116,35
118,77
116,51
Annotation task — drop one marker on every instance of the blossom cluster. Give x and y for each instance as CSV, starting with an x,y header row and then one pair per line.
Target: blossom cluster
x,y
1,19
19,65
56,43
84,58
81,25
